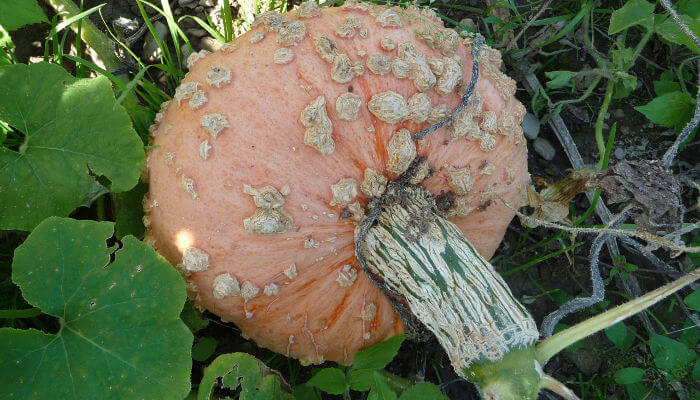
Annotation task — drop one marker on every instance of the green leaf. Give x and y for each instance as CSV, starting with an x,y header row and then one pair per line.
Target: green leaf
x,y
690,335
671,32
17,13
670,355
620,335
305,392
120,336
74,131
622,56
422,391
204,348
690,7
634,12
560,79
696,371
638,391
360,379
628,376
663,87
380,389
6,46
330,380
693,300
192,317
255,379
379,355
129,219
669,109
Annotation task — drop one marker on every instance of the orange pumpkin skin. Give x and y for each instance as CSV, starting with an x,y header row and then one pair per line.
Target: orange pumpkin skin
x,y
197,203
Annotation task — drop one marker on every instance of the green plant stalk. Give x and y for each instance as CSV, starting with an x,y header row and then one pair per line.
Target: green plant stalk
x,y
599,140
610,88
89,33
549,347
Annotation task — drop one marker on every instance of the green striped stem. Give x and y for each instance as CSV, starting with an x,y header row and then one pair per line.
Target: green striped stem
x,y
426,262
455,293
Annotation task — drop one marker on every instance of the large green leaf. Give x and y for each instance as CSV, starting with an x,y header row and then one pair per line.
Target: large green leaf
x,y
74,131
120,336
17,13
234,370
634,12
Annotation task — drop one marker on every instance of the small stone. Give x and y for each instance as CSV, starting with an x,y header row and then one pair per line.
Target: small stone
x,y
196,32
151,50
586,360
531,126
186,52
544,149
210,44
469,23
619,153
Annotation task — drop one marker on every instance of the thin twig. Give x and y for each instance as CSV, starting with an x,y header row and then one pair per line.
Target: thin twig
x,y
669,7
562,132
671,153
514,40
646,236
598,292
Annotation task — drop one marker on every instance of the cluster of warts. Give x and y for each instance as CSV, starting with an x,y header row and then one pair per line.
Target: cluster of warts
x,y
226,285
269,217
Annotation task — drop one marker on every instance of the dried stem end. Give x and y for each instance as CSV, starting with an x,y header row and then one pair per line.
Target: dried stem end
x,y
514,377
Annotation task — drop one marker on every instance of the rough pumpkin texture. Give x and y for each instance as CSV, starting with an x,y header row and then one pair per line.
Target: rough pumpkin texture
x,y
242,196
